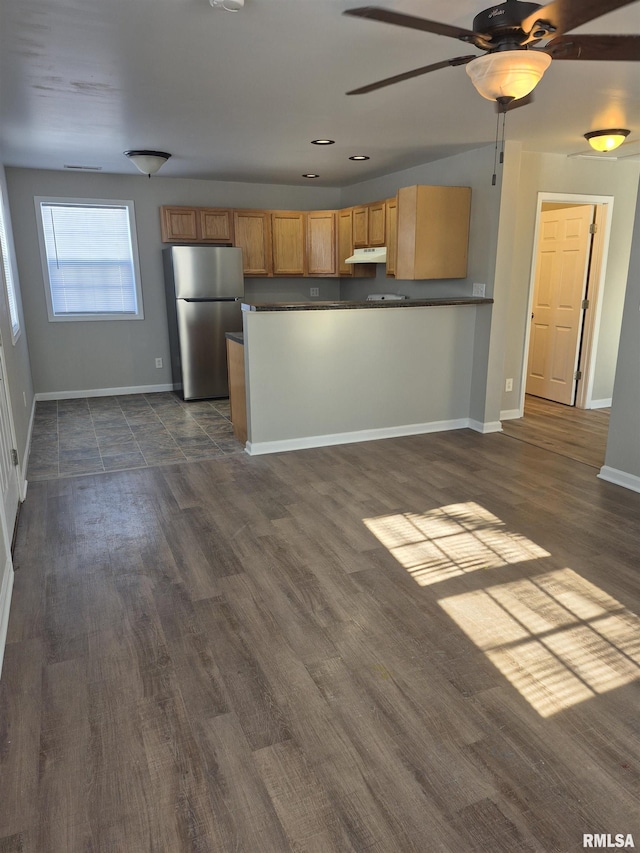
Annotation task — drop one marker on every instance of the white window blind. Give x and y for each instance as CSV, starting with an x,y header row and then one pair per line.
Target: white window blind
x,y
8,275
90,259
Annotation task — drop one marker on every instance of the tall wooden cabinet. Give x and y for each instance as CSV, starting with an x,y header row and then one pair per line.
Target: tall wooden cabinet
x,y
433,232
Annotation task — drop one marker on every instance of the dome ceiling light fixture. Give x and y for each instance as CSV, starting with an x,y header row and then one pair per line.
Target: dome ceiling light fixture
x,y
227,5
606,140
148,162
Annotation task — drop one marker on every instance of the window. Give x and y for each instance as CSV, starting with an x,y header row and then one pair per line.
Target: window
x,y
90,259
8,275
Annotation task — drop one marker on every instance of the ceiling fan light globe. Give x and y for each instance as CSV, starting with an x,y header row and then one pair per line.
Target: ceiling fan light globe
x,y
507,73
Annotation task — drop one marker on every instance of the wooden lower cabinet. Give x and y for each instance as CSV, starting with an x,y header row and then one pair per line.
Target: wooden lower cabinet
x,y
237,389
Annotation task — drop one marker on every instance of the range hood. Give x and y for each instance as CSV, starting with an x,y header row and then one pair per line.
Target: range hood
x,y
377,255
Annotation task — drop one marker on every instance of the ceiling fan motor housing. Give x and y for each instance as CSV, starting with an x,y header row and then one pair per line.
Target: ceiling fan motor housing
x,y
506,17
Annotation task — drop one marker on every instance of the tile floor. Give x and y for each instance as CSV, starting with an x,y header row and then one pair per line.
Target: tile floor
x,y
95,434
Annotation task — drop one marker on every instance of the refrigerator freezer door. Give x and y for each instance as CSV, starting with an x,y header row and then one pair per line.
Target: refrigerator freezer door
x,y
207,272
203,356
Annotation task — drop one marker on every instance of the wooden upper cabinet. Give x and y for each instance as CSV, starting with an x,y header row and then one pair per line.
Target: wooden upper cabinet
x,y
391,234
179,224
346,246
288,242
196,225
216,225
377,219
361,227
321,243
252,233
433,232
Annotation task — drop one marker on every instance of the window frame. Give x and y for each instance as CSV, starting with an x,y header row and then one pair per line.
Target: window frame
x,y
90,202
9,282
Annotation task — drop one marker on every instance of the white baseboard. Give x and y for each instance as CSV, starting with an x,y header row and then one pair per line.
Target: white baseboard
x,y
510,414
261,447
486,427
620,478
5,605
102,392
600,404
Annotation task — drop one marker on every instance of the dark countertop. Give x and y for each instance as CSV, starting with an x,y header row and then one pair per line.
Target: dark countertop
x,y
238,337
385,303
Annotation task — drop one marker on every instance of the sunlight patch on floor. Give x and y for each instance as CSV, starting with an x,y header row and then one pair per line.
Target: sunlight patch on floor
x,y
450,541
556,637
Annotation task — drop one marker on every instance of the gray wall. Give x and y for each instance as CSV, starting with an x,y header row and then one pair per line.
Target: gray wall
x,y
623,445
86,356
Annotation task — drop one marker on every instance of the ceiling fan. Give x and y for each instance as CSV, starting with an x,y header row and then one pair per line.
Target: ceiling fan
x,y
519,39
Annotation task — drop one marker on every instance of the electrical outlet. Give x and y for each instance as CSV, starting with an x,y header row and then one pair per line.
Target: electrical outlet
x,y
508,385
314,291
158,362
479,289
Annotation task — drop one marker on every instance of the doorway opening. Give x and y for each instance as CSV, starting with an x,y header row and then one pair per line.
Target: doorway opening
x,y
571,242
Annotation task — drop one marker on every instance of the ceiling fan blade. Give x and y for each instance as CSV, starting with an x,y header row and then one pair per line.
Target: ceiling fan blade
x,y
514,104
566,15
387,16
398,78
612,48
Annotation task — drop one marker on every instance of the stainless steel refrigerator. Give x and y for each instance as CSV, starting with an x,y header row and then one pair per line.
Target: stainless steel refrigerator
x,y
204,289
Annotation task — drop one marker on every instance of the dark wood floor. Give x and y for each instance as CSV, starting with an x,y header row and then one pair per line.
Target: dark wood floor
x,y
420,644
580,434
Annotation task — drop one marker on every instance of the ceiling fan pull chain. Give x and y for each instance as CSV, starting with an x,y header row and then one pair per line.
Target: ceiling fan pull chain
x,y
495,153
504,119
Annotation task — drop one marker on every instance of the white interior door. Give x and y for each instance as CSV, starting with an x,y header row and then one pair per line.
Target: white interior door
x,y
561,277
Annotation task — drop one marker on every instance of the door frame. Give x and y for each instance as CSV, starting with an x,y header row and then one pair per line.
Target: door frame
x,y
595,289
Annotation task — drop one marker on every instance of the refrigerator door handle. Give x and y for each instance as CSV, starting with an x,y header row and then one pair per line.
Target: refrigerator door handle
x,y
213,299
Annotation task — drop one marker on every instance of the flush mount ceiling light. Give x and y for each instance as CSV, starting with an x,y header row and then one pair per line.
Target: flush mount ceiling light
x,y
507,73
148,162
323,141
227,5
359,157
606,140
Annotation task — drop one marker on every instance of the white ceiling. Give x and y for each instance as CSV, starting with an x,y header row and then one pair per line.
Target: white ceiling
x,y
240,95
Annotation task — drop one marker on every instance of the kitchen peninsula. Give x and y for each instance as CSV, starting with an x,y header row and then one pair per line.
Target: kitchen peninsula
x,y
323,373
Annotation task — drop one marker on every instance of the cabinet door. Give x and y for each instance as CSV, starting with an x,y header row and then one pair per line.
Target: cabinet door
x,y
361,227
377,224
391,229
216,226
288,239
252,233
321,243
179,224
345,241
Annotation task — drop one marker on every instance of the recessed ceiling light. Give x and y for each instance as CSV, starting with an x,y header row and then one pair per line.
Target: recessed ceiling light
x,y
359,157
311,175
323,141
